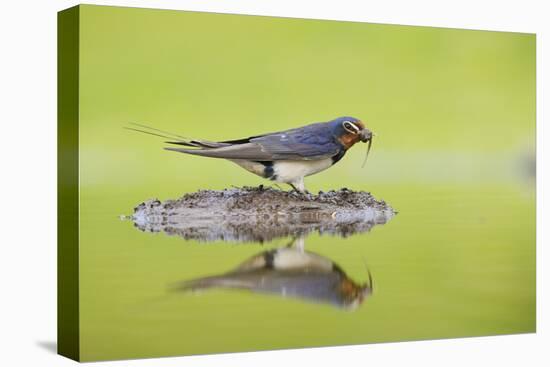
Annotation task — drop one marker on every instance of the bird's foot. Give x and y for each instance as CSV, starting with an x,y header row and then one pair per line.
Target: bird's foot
x,y
298,189
301,194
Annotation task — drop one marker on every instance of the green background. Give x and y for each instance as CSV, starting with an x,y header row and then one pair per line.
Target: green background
x,y
454,111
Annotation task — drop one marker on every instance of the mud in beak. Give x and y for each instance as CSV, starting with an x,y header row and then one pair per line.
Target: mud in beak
x,y
366,135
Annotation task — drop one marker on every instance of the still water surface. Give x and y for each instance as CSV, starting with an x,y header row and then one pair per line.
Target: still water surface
x,y
456,261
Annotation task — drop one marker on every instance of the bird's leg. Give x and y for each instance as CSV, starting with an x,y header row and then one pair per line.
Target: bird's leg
x,y
298,185
297,243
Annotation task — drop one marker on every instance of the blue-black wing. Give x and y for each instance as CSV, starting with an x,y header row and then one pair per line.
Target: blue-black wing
x,y
310,142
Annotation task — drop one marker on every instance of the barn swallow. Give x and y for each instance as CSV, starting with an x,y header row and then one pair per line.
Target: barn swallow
x,y
285,156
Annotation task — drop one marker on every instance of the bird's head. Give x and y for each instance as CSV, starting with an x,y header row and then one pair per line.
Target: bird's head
x,y
349,130
354,294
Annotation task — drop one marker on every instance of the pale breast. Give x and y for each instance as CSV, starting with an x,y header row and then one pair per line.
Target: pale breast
x,y
291,171
286,171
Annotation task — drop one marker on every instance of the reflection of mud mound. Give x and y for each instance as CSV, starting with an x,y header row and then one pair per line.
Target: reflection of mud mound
x,y
261,214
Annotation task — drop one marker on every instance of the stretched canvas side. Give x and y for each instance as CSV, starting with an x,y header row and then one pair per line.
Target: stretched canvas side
x,y
68,337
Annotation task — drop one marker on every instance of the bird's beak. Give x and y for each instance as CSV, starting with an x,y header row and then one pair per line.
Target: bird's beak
x,y
366,135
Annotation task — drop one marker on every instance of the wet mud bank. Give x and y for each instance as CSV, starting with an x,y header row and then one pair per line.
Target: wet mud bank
x,y
260,214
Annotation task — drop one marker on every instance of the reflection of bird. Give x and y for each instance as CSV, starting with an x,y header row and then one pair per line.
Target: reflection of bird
x,y
285,156
290,272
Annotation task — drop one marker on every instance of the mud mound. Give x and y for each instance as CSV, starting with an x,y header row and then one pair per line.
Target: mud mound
x,y
259,214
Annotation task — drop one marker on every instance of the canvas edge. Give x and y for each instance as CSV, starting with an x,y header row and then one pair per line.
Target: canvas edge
x,y
68,323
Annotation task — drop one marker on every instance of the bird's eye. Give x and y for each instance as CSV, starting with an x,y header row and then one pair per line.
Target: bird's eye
x,y
350,127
